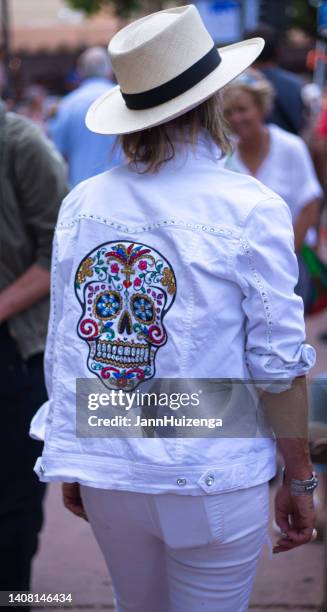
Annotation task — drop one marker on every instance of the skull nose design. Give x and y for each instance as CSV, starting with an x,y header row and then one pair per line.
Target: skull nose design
x,y
125,324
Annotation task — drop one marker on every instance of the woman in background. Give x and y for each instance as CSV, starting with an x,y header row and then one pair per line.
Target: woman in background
x,y
278,159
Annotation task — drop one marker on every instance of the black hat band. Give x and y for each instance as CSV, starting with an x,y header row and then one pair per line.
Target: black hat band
x,y
177,86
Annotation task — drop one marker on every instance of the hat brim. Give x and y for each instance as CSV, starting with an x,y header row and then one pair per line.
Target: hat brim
x,y
110,115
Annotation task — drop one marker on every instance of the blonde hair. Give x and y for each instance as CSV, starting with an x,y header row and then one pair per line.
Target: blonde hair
x,y
155,146
253,82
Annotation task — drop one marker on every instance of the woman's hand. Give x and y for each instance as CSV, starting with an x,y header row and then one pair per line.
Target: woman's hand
x,y
72,499
295,516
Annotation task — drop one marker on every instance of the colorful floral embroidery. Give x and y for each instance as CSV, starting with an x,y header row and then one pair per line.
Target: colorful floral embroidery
x,y
125,290
144,309
169,280
107,305
85,270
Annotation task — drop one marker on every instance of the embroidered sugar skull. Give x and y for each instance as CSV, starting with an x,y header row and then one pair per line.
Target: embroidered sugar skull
x,y
125,290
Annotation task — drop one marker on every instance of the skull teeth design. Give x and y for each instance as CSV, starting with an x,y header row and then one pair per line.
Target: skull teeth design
x,y
125,290
122,355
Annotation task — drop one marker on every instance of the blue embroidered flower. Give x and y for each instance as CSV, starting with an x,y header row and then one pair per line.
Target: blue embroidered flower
x,y
108,305
143,309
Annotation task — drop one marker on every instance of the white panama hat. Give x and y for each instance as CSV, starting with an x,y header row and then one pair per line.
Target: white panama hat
x,y
165,64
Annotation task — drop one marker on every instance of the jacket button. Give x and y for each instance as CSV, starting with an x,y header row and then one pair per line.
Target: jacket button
x,y
181,482
210,480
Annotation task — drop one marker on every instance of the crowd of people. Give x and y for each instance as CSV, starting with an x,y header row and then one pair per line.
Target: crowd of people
x,y
47,150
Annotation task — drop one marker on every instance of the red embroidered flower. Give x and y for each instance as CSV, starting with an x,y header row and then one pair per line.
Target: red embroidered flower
x,y
114,268
143,265
137,282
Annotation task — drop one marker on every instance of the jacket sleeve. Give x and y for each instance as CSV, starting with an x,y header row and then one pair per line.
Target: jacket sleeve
x,y
267,269
56,310
61,268
43,415
40,179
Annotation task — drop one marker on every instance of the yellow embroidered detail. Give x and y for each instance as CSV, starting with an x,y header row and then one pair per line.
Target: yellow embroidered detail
x,y
168,280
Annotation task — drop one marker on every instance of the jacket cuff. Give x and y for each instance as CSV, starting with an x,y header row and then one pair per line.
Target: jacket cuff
x,y
39,422
274,374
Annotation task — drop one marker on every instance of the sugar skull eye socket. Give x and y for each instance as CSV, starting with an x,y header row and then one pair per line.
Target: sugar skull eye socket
x,y
143,309
107,305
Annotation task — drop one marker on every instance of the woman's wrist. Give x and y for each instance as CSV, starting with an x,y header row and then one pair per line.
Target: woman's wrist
x,y
302,486
303,472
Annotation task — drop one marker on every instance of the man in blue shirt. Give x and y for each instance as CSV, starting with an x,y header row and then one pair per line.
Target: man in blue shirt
x,y
288,111
87,154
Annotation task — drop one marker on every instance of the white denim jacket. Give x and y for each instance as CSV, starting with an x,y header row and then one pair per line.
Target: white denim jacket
x,y
187,273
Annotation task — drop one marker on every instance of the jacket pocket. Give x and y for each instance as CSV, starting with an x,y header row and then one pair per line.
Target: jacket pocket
x,y
236,515
214,506
187,521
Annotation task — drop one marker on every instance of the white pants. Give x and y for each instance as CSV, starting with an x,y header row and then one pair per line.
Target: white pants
x,y
176,553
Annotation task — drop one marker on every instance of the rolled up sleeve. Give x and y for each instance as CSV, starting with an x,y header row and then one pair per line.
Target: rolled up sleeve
x,y
276,351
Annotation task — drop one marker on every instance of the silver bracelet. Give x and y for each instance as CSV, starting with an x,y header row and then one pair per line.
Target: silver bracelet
x,y
302,487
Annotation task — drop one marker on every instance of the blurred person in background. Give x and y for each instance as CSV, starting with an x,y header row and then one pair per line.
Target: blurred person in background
x,y
313,102
318,416
288,108
87,154
319,151
3,72
33,104
32,185
320,141
280,160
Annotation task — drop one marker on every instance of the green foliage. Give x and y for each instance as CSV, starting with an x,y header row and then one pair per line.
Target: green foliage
x,y
300,12
88,6
123,8
303,14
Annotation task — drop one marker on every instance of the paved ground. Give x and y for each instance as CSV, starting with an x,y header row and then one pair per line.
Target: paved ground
x,y
69,560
